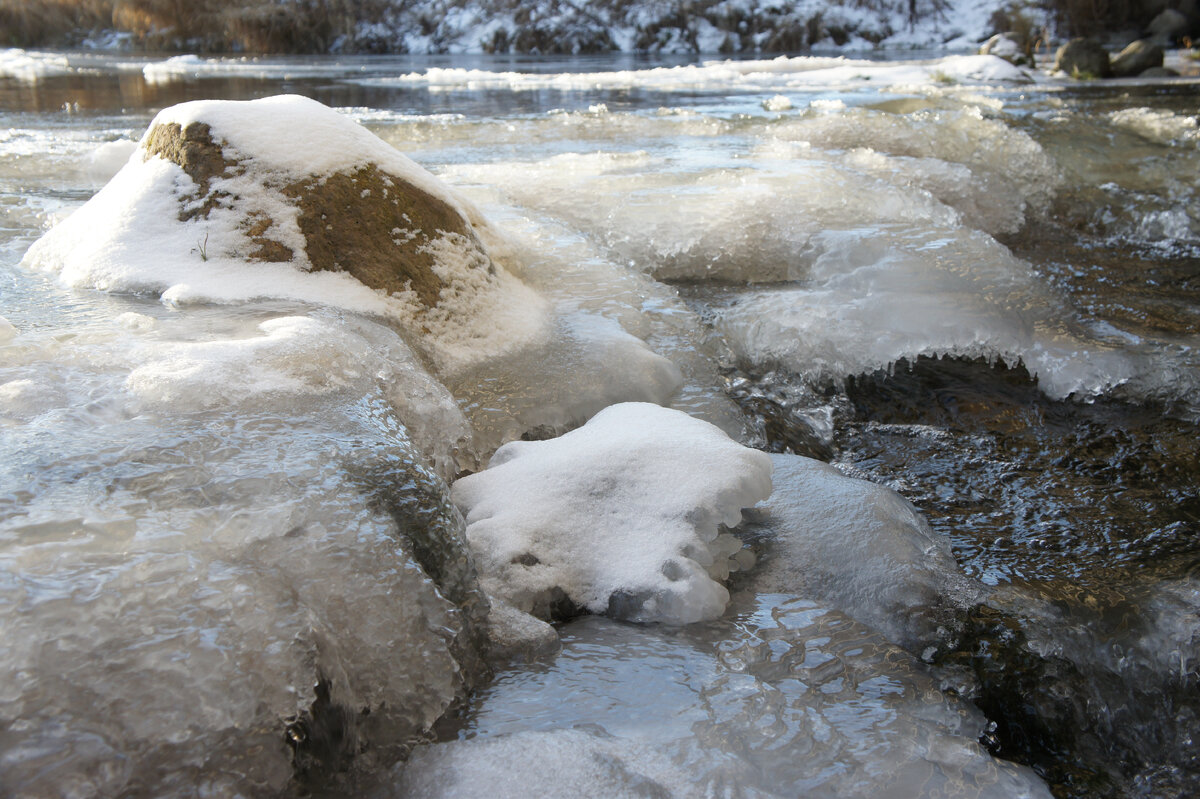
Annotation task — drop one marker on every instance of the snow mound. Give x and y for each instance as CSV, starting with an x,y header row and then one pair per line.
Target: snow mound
x,y
860,547
285,198
622,516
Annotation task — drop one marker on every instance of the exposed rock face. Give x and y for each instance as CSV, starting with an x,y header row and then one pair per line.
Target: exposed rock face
x,y
1135,59
375,226
1083,58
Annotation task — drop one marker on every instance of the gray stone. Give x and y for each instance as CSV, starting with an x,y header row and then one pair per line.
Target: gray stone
x,y
1010,47
1083,58
1159,72
1135,59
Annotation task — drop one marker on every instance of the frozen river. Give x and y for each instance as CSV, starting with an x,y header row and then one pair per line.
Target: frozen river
x,y
231,561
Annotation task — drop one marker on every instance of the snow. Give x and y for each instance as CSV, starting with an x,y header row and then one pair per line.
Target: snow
x,y
778,74
32,66
622,515
128,239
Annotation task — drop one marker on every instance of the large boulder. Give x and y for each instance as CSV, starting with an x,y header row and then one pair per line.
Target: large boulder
x,y
1135,59
286,198
1083,58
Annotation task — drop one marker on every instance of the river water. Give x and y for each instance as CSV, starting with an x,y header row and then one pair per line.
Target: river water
x,y
228,558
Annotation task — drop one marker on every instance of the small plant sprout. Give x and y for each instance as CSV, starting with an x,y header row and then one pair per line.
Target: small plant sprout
x,y
202,247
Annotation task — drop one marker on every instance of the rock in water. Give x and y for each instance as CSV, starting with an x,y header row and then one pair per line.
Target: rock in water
x,y
1010,47
1083,58
1135,59
285,198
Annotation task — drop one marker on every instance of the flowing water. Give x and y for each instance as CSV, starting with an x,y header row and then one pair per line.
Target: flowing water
x,y
228,562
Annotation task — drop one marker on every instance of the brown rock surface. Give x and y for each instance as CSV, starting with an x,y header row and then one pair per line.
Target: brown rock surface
x,y
375,226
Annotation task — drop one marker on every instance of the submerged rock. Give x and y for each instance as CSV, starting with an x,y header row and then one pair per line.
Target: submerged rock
x,y
1083,58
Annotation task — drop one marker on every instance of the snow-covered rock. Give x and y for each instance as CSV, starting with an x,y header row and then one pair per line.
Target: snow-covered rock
x,y
285,198
622,516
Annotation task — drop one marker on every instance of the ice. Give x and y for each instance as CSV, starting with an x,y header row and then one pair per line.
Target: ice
x,y
8,331
184,589
589,364
621,516
786,698
871,301
858,547
1160,126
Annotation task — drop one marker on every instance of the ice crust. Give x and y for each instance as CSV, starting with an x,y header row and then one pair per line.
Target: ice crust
x,y
874,227
183,561
786,698
858,547
622,515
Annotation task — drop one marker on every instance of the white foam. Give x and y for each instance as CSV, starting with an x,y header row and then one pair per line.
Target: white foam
x,y
621,515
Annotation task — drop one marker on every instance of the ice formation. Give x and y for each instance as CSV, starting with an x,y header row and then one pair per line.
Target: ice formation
x,y
786,698
158,228
622,516
858,547
200,597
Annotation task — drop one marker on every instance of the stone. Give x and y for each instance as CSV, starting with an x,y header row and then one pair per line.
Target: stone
x,y
1083,58
1135,59
349,219
1159,72
1010,47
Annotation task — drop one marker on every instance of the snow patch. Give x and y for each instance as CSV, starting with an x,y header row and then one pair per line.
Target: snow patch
x,y
621,516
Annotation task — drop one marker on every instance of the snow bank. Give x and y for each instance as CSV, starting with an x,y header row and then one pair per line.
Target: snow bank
x,y
621,516
156,228
778,74
32,66
858,547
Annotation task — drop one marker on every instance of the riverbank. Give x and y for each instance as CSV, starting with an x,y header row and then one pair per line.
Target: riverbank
x,y
563,27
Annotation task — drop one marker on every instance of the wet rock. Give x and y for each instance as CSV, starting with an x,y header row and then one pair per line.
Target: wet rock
x,y
375,225
1083,58
1159,72
1135,59
1010,46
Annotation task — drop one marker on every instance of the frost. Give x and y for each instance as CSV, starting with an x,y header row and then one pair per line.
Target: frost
x,y
620,516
